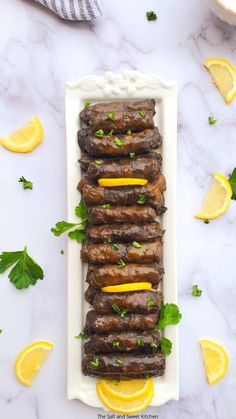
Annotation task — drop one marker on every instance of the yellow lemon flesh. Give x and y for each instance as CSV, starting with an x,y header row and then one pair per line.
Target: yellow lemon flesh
x,y
126,390
111,182
224,76
128,405
134,286
26,138
216,360
217,200
30,360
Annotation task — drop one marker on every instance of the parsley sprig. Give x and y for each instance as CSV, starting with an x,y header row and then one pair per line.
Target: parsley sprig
x,y
169,314
151,15
27,184
25,272
166,346
196,291
79,233
121,313
232,181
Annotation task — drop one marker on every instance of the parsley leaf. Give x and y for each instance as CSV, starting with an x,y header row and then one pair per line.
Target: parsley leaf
x,y
142,113
116,309
119,361
82,336
151,15
110,133
1,330
81,211
119,142
115,246
131,155
111,115
62,252
79,233
26,271
169,314
121,264
154,345
98,162
61,227
232,181
105,206
141,200
140,342
196,292
212,120
27,184
99,133
87,104
136,245
150,303
116,344
129,132
166,346
95,362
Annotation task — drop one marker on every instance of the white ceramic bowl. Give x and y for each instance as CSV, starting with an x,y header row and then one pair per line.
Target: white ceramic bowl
x,y
225,10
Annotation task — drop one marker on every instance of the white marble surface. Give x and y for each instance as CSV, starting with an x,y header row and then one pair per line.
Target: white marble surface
x,y
39,52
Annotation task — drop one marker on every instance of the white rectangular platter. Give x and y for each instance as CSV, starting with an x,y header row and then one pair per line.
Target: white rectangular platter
x,y
130,85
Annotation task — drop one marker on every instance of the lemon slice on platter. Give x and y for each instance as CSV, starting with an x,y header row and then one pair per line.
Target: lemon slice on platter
x,y
216,360
125,406
30,360
217,200
111,182
134,286
224,76
126,390
24,139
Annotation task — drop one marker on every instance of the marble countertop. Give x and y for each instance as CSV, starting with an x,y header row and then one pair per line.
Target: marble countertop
x,y
39,52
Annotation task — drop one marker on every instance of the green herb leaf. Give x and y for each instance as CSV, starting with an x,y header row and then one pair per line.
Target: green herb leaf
x,y
196,292
212,120
62,252
136,245
151,15
118,142
129,132
119,361
116,309
121,263
26,271
82,336
27,184
95,362
206,222
116,344
1,331
105,206
141,200
142,113
98,162
153,345
169,314
77,235
99,133
61,227
111,115
81,210
232,181
150,303
87,104
166,346
107,241
140,342
131,155
115,246
110,133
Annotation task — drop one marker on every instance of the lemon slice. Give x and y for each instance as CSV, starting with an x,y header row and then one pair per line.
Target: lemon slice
x,y
30,360
217,200
123,181
125,406
126,390
224,76
134,286
216,360
24,139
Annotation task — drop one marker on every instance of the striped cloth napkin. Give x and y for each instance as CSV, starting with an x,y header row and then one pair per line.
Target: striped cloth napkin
x,y
74,9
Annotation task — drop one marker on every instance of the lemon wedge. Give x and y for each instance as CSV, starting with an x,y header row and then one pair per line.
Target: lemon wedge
x,y
30,360
26,138
125,406
224,76
217,200
111,182
126,390
134,286
216,360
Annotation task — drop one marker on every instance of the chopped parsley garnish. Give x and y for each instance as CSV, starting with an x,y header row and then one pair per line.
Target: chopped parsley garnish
x,y
98,162
196,292
121,263
116,344
116,309
129,132
62,252
153,345
111,115
27,184
141,200
151,15
115,246
110,133
232,181
136,245
99,133
150,303
95,362
169,314
87,104
140,342
25,272
105,206
82,336
119,142
131,155
212,120
166,346
107,241
142,113
1,330
206,221
79,233
119,361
